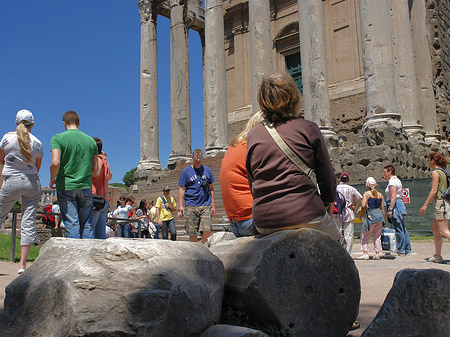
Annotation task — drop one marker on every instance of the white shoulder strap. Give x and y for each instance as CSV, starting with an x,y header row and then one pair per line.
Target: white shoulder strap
x,y
289,153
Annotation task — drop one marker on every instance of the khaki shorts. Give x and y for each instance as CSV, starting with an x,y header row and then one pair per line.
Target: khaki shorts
x,y
198,219
441,209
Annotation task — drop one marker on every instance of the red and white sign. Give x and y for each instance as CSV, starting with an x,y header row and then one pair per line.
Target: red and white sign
x,y
405,196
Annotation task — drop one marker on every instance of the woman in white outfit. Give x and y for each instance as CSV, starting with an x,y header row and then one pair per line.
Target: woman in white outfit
x,y
21,157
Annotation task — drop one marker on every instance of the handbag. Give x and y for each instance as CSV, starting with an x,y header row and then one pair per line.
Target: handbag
x,y
99,201
289,153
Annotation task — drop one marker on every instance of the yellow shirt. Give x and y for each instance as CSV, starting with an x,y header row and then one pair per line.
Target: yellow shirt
x,y
165,214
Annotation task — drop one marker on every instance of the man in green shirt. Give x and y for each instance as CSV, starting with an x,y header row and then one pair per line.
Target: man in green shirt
x,y
74,162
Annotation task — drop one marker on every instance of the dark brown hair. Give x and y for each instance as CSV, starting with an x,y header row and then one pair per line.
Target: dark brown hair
x,y
71,118
390,168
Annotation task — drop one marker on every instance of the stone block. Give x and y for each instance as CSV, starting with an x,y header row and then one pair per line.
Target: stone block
x,y
117,287
417,305
299,280
219,237
224,330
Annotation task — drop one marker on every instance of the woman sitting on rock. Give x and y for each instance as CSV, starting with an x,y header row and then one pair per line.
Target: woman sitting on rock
x,y
284,197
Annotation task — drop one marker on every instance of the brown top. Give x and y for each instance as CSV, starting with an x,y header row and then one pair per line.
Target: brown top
x,y
282,195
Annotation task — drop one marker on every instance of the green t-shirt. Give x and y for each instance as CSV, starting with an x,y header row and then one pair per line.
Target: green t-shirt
x,y
77,150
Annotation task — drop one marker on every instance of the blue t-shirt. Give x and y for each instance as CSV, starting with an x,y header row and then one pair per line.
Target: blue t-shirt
x,y
197,183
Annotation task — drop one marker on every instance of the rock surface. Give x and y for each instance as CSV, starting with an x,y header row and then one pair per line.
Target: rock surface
x,y
218,238
300,280
225,330
117,287
417,305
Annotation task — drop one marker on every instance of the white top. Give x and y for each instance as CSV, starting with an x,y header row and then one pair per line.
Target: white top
x,y
352,196
394,181
15,161
122,212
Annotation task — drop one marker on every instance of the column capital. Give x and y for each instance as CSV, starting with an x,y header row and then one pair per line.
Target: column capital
x,y
148,10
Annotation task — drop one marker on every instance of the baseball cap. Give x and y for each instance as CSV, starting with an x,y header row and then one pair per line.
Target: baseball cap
x,y
167,188
371,182
344,175
24,115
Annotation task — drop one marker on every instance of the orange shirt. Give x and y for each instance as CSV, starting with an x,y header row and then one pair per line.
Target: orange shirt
x,y
236,196
100,184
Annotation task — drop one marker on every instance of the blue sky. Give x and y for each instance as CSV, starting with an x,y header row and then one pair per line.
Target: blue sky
x,y
84,55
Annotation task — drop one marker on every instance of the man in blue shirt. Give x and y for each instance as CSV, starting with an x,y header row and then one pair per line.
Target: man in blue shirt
x,y
196,198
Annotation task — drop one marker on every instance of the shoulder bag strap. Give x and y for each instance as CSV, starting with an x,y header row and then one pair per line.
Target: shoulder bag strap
x,y
289,153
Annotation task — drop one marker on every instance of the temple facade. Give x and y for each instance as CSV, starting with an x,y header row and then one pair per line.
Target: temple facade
x,y
373,74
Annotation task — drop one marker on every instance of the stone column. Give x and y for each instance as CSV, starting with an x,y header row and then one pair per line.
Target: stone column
x,y
424,72
316,100
405,72
149,137
214,86
261,62
180,111
381,102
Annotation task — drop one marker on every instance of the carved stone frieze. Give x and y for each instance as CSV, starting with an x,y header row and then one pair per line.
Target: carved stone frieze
x,y
241,29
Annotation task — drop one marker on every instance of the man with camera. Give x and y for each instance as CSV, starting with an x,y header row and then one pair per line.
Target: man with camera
x,y
196,197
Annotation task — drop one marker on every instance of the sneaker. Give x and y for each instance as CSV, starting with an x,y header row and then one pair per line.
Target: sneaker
x,y
376,257
435,259
21,270
362,257
397,254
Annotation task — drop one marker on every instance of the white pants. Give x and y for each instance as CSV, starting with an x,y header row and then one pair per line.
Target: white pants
x,y
27,187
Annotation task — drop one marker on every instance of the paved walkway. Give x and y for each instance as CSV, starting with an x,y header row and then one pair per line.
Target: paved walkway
x,y
376,277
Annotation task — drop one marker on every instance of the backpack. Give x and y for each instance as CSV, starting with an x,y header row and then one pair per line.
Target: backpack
x,y
48,219
446,194
339,203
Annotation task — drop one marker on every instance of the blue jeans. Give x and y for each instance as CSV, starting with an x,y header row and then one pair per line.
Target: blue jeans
x,y
243,227
98,221
124,231
170,225
402,236
76,213
158,229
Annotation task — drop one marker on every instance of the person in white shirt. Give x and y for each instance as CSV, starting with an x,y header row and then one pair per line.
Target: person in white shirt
x,y
397,211
352,198
20,161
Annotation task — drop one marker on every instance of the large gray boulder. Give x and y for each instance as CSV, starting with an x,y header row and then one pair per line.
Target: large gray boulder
x,y
117,287
417,305
299,280
225,330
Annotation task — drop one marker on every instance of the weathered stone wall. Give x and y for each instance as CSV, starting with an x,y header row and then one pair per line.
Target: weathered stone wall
x,y
439,20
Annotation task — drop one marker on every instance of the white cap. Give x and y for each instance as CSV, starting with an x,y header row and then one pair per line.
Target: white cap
x,y
24,115
371,182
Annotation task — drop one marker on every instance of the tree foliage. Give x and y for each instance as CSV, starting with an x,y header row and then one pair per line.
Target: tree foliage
x,y
128,178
